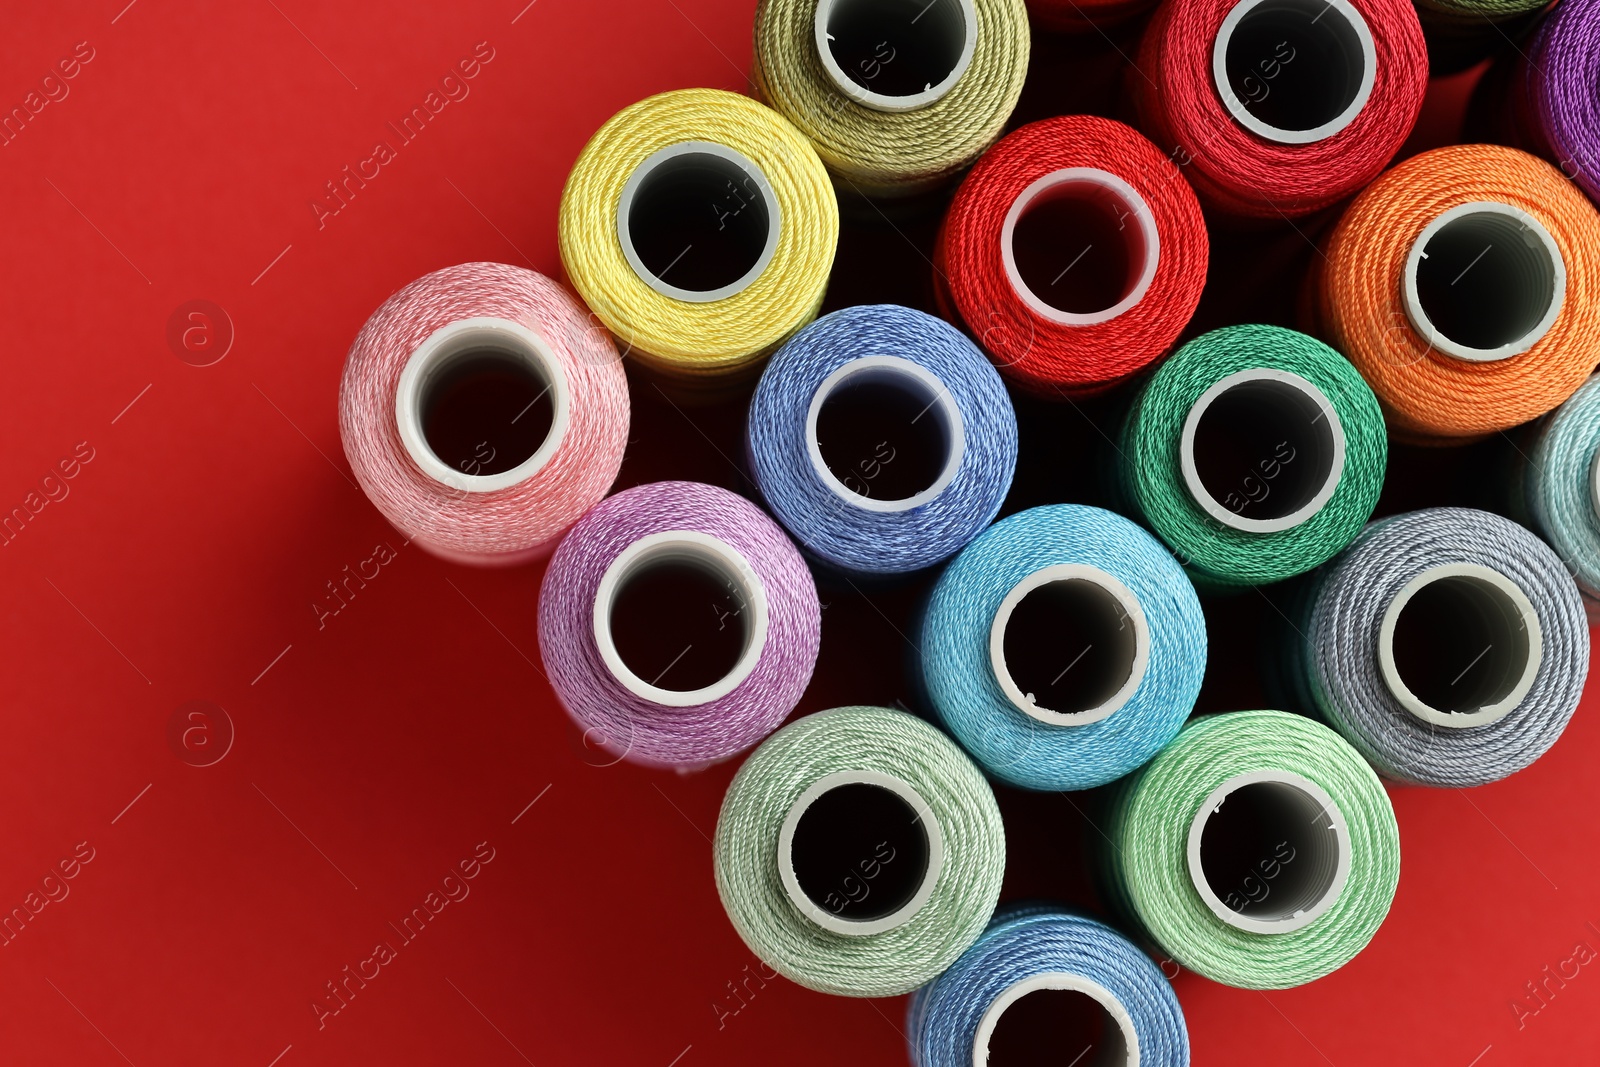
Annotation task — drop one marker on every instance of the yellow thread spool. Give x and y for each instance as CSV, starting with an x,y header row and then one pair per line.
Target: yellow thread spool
x,y
706,168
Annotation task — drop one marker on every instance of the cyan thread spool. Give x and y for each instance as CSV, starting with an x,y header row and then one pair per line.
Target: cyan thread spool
x,y
1063,647
859,852
1039,978
1257,849
1256,453
1562,484
882,439
1449,646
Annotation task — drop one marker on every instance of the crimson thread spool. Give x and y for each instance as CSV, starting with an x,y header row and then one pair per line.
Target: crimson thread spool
x,y
1462,285
1074,253
482,410
1278,108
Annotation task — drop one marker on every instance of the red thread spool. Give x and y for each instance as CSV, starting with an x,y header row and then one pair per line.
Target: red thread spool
x,y
1074,253
1278,108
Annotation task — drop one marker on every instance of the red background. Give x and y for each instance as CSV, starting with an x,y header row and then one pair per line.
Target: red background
x,y
373,754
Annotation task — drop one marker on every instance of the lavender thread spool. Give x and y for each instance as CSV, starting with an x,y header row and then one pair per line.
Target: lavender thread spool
x,y
678,624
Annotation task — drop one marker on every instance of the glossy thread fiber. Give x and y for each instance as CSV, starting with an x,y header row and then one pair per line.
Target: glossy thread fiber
x,y
1027,941
1154,481
959,680
505,525
1558,484
1239,172
679,338
1557,99
855,539
1338,656
639,729
1429,397
1050,358
746,858
882,153
1148,864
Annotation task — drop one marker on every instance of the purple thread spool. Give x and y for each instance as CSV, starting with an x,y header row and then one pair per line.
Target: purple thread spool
x,y
678,624
1558,101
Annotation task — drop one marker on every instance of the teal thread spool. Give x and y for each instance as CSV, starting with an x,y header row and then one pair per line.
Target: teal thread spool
x,y
859,852
1257,849
1562,483
1255,453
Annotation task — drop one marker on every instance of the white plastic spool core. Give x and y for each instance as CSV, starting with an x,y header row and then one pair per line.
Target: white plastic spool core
x,y
1119,1042
1262,450
1269,851
860,852
716,560
895,55
1460,645
478,351
1080,246
1294,71
1069,645
703,215
1483,282
884,434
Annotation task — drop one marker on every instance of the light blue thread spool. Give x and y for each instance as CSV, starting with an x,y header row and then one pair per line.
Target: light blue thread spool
x,y
1562,481
1032,951
882,439
1063,647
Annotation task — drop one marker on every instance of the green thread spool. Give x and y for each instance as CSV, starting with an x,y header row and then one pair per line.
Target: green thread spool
x,y
859,852
1255,453
1257,849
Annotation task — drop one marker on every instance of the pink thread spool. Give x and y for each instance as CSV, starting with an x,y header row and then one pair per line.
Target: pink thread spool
x,y
678,624
483,412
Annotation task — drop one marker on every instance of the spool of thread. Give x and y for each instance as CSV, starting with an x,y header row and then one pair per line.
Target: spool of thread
x,y
700,226
859,852
1074,253
1562,484
1255,453
483,412
1257,849
1063,648
1448,646
897,96
678,624
1278,108
882,439
1555,109
1068,982
1462,284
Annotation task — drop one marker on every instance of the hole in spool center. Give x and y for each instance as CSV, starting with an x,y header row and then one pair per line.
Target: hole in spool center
x,y
1069,645
485,411
1460,645
1296,65
1486,280
699,221
1264,449
1078,249
679,623
1268,851
884,435
897,48
859,852
1064,1026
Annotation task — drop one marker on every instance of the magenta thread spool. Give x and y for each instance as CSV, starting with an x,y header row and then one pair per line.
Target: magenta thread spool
x,y
483,411
678,624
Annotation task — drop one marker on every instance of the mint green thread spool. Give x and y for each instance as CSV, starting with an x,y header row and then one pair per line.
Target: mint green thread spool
x,y
1255,453
859,852
1258,849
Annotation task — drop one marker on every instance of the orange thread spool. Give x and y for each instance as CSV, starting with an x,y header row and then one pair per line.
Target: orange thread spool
x,y
1463,285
